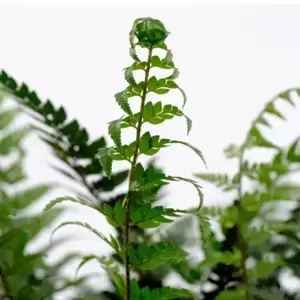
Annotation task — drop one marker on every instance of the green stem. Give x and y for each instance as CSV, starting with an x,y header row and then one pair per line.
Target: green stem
x,y
131,178
242,245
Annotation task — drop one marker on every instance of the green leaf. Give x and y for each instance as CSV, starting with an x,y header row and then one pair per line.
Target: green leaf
x,y
47,109
139,65
271,109
138,175
93,146
292,154
7,117
151,257
129,76
9,236
145,180
114,130
161,45
157,114
168,83
196,150
12,140
148,112
10,83
105,158
161,86
158,108
220,180
287,97
204,227
265,294
145,196
110,267
256,139
12,174
70,129
123,153
84,225
164,293
130,121
232,295
23,91
263,269
34,99
146,216
29,196
183,95
135,90
189,124
60,116
133,54
169,57
150,145
165,63
152,84
155,61
76,200
107,184
122,100
174,75
195,184
150,32
84,261
262,120
80,138
117,215
3,76
232,151
213,211
114,274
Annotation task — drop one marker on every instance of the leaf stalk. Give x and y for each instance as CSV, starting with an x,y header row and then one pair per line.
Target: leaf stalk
x,y
131,179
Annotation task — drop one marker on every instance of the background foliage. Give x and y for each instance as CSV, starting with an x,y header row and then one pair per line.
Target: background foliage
x,y
270,245
23,275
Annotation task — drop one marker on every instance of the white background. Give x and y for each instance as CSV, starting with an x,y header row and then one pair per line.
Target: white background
x,y
232,59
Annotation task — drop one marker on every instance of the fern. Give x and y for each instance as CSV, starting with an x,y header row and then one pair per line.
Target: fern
x,y
69,141
136,209
153,256
204,227
150,34
247,224
165,293
75,200
223,181
255,138
18,278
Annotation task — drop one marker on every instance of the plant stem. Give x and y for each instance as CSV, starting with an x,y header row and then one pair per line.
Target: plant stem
x,y
131,177
240,236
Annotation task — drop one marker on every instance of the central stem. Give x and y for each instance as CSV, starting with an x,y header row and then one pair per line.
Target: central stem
x,y
240,235
131,178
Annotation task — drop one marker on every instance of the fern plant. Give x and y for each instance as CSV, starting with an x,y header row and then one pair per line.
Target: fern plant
x,y
60,133
248,224
269,245
18,268
136,209
69,141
